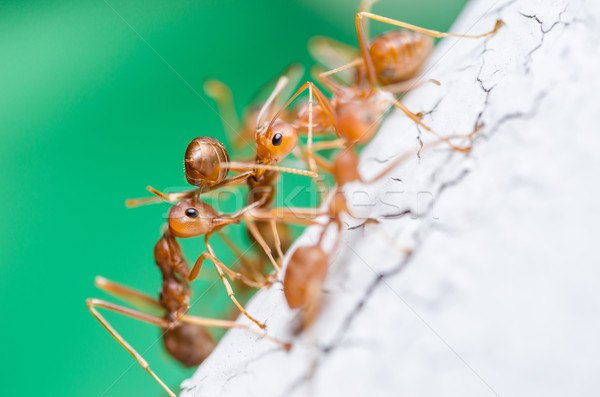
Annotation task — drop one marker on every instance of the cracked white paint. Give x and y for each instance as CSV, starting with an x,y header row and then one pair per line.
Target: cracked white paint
x,y
500,295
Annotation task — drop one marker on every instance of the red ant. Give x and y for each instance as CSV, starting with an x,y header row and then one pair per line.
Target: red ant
x,y
184,336
307,268
207,164
392,59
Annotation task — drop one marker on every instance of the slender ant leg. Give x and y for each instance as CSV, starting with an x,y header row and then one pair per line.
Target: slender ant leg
x,y
95,304
362,36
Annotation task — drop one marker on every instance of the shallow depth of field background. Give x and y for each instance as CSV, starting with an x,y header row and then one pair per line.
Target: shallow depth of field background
x,y
90,115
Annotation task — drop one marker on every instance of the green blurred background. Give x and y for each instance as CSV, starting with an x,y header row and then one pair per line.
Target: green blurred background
x,y
90,113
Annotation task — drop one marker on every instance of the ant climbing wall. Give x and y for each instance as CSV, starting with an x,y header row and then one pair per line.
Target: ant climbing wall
x,y
477,275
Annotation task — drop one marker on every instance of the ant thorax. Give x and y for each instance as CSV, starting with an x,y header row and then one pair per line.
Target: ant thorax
x,y
320,121
359,118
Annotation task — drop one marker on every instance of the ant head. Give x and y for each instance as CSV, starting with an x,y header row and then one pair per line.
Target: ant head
x,y
203,158
191,218
274,142
359,120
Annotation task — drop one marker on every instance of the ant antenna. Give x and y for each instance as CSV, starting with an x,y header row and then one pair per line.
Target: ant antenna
x,y
237,166
281,83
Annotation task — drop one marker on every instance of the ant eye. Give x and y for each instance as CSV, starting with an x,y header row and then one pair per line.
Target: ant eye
x,y
191,213
277,139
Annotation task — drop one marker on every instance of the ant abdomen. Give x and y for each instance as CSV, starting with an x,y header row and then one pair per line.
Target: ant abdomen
x,y
398,55
204,157
189,343
304,276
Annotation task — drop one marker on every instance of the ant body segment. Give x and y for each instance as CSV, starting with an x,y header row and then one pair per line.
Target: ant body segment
x,y
392,59
384,67
184,336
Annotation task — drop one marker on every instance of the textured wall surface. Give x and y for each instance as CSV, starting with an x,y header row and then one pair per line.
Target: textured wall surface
x,y
499,294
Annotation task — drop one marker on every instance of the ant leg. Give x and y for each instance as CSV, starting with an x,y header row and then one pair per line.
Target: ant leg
x,y
290,213
132,203
319,182
299,153
393,165
232,295
171,197
92,304
362,36
411,153
323,101
428,32
261,241
176,196
230,273
223,96
236,165
366,6
233,180
327,108
323,163
223,220
281,83
277,240
230,291
247,264
233,275
408,85
211,322
328,82
298,216
325,145
168,197
417,120
134,297
311,161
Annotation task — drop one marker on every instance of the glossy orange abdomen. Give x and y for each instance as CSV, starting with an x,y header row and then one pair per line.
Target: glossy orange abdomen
x,y
398,55
202,162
